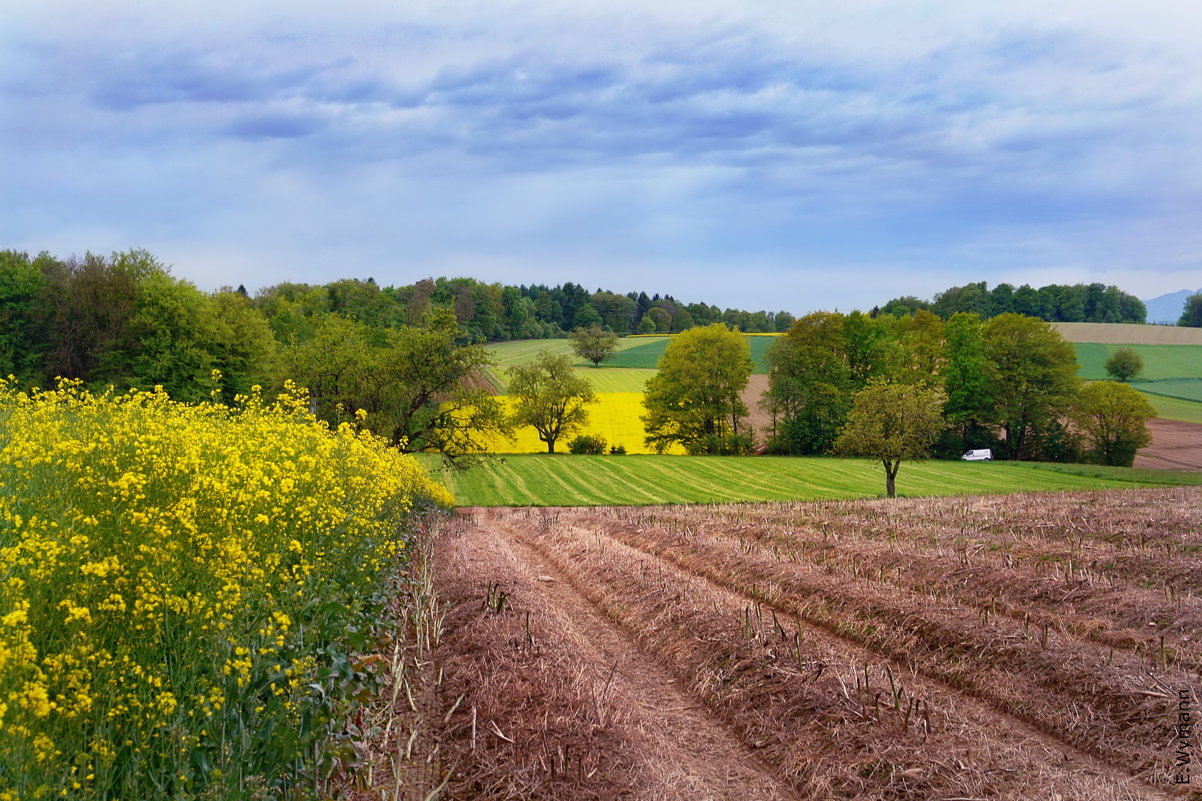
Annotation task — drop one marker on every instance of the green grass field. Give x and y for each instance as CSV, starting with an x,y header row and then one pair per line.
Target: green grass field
x,y
1169,408
1160,361
644,352
1189,389
603,379
539,480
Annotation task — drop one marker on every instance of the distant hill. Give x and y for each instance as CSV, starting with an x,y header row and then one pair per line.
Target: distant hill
x,y
1168,308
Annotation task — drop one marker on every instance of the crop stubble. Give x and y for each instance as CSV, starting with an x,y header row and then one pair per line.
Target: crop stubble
x,y
947,648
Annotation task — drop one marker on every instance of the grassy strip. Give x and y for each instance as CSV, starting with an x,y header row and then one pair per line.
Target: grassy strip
x,y
1160,361
645,352
539,480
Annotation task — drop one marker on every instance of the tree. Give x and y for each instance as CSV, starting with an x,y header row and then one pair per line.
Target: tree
x,y
550,396
22,289
593,343
809,383
1032,376
1113,418
966,379
892,422
586,316
695,399
166,342
1192,314
416,383
241,344
1124,364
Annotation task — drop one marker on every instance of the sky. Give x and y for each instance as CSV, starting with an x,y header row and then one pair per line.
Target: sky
x,y
760,155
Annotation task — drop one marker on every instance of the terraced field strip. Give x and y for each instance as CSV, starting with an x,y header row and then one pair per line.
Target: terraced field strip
x,y
1129,334
645,351
538,480
1176,409
826,711
1189,389
1160,361
523,351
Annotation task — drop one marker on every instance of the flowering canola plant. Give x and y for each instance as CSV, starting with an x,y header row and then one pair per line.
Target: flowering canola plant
x,y
184,590
615,417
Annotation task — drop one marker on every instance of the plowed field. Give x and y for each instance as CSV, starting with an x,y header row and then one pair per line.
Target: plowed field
x,y
1024,646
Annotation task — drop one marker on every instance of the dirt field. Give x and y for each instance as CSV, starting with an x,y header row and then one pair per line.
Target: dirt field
x,y
1129,334
1175,446
1004,647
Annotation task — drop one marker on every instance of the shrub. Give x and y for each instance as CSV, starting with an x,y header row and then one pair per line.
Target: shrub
x,y
617,450
587,444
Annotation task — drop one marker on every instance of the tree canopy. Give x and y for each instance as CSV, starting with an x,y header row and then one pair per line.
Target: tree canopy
x,y
892,422
1032,374
1191,315
594,343
1113,418
1124,364
549,396
695,399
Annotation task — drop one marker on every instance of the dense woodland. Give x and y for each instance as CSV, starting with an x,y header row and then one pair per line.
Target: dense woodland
x,y
1055,303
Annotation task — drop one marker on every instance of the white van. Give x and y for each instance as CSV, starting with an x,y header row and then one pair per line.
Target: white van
x,y
979,455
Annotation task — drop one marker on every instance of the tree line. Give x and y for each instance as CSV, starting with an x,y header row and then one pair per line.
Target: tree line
x,y
1054,303
1008,383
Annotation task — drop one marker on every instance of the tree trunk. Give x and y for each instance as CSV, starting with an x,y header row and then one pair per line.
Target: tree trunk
x,y
890,477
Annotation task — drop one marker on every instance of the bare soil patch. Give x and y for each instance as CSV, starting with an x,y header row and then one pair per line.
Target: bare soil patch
x,y
554,701
1017,647
1175,446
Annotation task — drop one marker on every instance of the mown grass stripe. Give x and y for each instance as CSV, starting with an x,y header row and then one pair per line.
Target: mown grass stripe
x,y
633,480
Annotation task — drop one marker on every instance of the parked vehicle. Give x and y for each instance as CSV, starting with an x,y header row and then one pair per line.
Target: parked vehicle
x,y
978,455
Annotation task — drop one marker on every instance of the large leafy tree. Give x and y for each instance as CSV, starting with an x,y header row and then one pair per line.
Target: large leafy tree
x,y
594,343
970,406
22,315
550,396
1032,376
1124,364
1113,418
892,422
1192,314
417,385
810,383
695,399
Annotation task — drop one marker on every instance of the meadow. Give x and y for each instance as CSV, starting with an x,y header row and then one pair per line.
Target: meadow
x,y
186,590
1160,361
645,350
542,480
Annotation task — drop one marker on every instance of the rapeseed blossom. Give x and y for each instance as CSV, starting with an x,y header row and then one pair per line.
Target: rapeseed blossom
x,y
181,587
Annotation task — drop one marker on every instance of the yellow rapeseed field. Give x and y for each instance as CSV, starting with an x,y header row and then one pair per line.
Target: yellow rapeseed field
x,y
183,590
615,417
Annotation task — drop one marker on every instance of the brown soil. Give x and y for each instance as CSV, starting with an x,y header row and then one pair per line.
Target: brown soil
x,y
558,702
948,648
753,396
1175,446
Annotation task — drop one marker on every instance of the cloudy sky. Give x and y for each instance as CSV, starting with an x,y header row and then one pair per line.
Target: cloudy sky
x,y
778,155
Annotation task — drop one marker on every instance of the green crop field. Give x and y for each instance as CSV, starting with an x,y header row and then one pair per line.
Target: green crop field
x,y
603,379
1160,361
1169,408
645,352
1189,389
539,480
